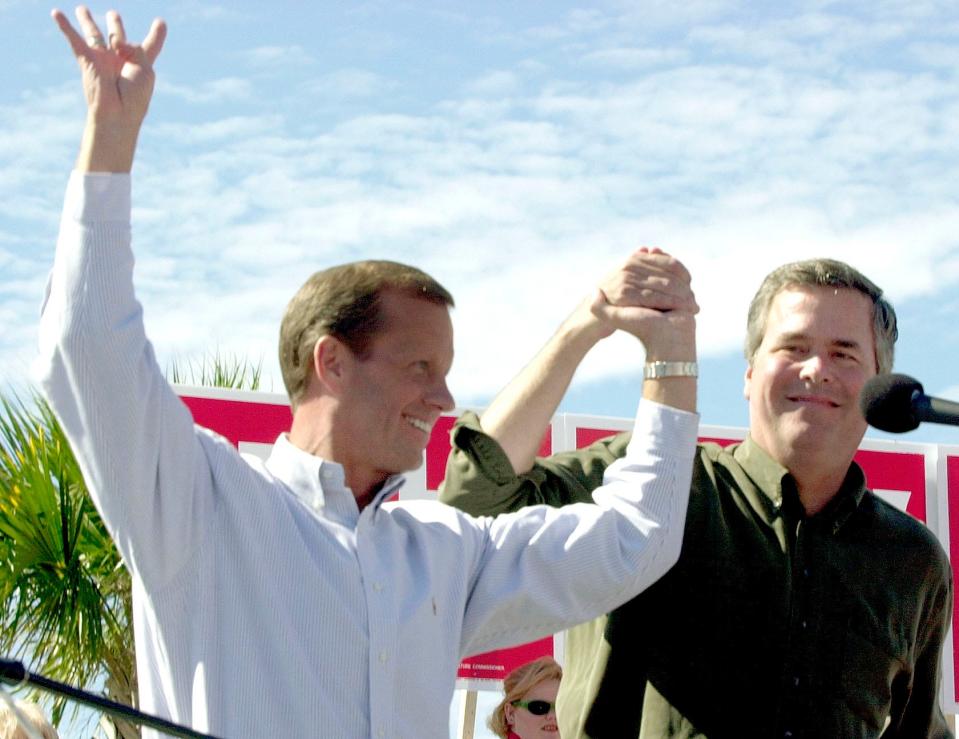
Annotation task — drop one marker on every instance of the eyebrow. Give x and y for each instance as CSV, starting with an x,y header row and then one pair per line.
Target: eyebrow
x,y
800,336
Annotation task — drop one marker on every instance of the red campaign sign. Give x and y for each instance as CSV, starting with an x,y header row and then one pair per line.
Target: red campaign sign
x,y
904,472
498,664
261,417
240,420
952,496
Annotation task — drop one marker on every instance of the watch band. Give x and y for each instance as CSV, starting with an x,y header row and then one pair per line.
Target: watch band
x,y
656,370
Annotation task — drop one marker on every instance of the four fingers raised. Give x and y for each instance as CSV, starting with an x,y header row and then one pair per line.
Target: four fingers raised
x,y
89,38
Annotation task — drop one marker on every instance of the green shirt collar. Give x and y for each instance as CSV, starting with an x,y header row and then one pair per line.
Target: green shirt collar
x,y
778,488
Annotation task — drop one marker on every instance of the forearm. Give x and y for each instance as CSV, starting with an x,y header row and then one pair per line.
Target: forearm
x,y
520,413
562,567
98,372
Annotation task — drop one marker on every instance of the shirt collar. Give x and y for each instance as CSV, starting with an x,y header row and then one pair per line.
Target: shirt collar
x,y
779,488
320,483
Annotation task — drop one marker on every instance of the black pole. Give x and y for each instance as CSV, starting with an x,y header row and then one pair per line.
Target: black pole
x,y
14,673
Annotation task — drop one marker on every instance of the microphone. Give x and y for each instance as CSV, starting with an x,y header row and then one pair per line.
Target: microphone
x,y
12,672
897,403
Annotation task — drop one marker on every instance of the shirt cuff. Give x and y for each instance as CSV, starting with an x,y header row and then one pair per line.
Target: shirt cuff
x,y
669,430
97,197
469,437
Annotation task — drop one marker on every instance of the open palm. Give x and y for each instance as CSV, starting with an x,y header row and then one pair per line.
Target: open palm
x,y
117,76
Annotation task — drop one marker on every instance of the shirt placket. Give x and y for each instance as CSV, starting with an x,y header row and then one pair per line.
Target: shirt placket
x,y
382,628
796,668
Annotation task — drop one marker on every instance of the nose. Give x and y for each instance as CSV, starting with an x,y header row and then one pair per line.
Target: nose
x,y
815,369
440,396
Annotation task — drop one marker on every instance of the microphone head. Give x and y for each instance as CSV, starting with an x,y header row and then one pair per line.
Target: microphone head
x,y
887,402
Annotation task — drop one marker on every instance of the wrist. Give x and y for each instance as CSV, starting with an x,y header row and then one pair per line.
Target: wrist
x,y
659,369
582,330
107,147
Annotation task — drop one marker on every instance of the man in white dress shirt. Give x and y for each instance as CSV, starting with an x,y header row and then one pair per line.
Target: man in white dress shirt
x,y
289,598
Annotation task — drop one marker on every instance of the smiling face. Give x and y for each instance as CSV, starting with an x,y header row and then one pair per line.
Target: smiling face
x,y
392,396
803,384
528,725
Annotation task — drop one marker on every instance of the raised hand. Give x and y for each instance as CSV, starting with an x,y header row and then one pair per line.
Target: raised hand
x,y
118,83
651,297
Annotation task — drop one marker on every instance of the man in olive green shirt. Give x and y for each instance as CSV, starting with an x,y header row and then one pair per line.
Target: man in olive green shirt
x,y
802,605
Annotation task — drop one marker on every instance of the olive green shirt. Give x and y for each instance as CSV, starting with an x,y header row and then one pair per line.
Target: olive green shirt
x,y
772,624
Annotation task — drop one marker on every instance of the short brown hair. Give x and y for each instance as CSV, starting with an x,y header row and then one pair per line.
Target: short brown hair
x,y
344,301
517,684
823,273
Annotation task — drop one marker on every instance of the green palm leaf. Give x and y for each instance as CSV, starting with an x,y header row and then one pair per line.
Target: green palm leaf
x,y
65,593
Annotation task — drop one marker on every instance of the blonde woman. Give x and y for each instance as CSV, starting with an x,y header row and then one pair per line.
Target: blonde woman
x,y
528,708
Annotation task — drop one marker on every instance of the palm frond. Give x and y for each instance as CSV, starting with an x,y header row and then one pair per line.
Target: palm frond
x,y
217,370
64,590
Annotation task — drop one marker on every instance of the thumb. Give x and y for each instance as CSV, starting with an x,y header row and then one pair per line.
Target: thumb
x,y
600,305
599,308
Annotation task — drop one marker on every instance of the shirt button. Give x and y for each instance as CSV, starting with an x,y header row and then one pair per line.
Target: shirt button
x,y
804,624
378,587
384,657
805,572
795,682
787,734
381,732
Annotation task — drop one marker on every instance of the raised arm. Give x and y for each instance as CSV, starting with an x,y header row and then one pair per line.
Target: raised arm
x,y
650,296
133,438
117,79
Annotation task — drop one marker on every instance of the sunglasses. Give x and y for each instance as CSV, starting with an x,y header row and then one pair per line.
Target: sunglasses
x,y
537,708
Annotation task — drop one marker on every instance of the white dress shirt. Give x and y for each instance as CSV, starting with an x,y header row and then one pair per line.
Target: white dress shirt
x,y
265,602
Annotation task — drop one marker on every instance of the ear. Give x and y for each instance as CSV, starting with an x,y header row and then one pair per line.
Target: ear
x,y
332,360
747,380
509,711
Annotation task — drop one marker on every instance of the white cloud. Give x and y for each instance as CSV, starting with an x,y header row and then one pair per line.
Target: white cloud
x,y
278,56
187,12
933,54
347,83
227,89
635,57
230,128
495,84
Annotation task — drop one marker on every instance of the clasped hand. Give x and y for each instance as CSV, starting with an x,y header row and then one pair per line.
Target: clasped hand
x,y
651,297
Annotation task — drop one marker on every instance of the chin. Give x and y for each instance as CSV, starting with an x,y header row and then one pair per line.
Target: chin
x,y
408,463
415,465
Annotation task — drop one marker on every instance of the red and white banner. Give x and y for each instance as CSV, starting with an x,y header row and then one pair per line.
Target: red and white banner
x,y
921,479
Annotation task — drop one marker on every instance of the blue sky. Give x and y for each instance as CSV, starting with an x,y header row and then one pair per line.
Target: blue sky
x,y
518,151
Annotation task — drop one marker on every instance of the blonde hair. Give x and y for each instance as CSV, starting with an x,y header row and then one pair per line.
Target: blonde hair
x,y
517,684
10,727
